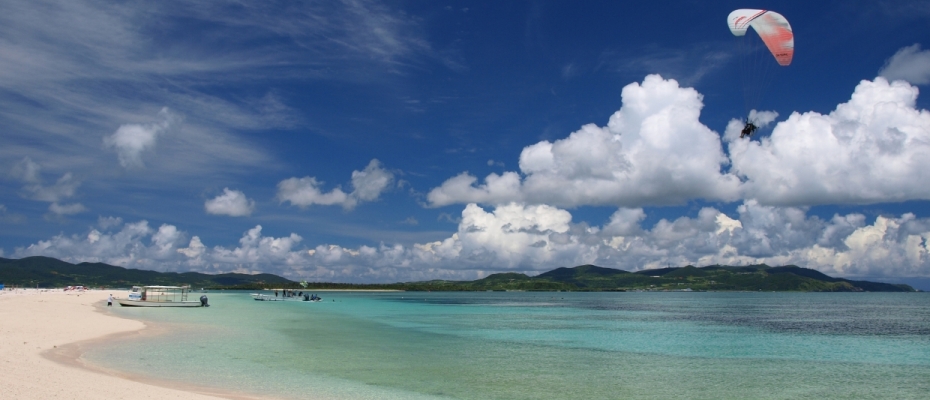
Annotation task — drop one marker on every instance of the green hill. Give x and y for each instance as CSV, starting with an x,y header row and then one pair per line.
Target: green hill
x,y
50,272
715,277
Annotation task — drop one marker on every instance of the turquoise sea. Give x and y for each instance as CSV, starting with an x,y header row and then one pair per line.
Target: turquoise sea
x,y
540,345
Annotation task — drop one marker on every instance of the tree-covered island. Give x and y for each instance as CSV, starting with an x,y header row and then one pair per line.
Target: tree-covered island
x,y
45,272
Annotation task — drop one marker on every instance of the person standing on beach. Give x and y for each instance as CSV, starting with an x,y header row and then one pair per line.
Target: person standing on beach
x,y
110,300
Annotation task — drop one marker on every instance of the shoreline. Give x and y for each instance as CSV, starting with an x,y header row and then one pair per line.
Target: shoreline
x,y
338,290
45,334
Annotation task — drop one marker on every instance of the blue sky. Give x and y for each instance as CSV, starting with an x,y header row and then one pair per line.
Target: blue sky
x,y
366,141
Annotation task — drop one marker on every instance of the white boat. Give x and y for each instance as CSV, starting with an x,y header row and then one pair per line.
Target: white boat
x,y
265,297
161,296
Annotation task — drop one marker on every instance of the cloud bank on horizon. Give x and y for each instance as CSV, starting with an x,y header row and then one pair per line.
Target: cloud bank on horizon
x,y
653,151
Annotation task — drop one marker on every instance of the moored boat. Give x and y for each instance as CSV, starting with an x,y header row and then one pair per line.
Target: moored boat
x,y
161,296
265,297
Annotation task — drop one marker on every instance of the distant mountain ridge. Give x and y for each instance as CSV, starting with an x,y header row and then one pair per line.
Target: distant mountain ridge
x,y
51,272
690,278
716,277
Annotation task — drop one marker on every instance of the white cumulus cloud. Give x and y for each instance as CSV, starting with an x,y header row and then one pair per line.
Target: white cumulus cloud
x,y
654,150
873,148
367,185
232,202
194,249
254,248
534,239
909,64
125,247
305,192
130,140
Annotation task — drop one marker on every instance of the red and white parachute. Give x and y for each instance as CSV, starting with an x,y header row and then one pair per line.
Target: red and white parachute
x,y
771,26
757,71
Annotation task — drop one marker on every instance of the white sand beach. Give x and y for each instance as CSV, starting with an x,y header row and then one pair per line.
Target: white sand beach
x,y
41,332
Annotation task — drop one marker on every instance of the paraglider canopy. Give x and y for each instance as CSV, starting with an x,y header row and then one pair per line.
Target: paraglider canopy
x,y
771,26
757,69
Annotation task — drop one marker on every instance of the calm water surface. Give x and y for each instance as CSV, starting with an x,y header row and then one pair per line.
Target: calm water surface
x,y
525,345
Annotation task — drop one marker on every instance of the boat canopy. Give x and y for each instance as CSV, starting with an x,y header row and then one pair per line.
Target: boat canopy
x,y
163,293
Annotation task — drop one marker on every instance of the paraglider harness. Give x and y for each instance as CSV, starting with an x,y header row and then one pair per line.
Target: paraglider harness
x,y
748,129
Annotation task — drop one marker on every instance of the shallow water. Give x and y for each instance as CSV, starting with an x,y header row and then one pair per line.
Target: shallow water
x,y
524,345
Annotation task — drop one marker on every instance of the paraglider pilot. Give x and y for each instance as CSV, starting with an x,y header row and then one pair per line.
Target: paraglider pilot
x,y
748,130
